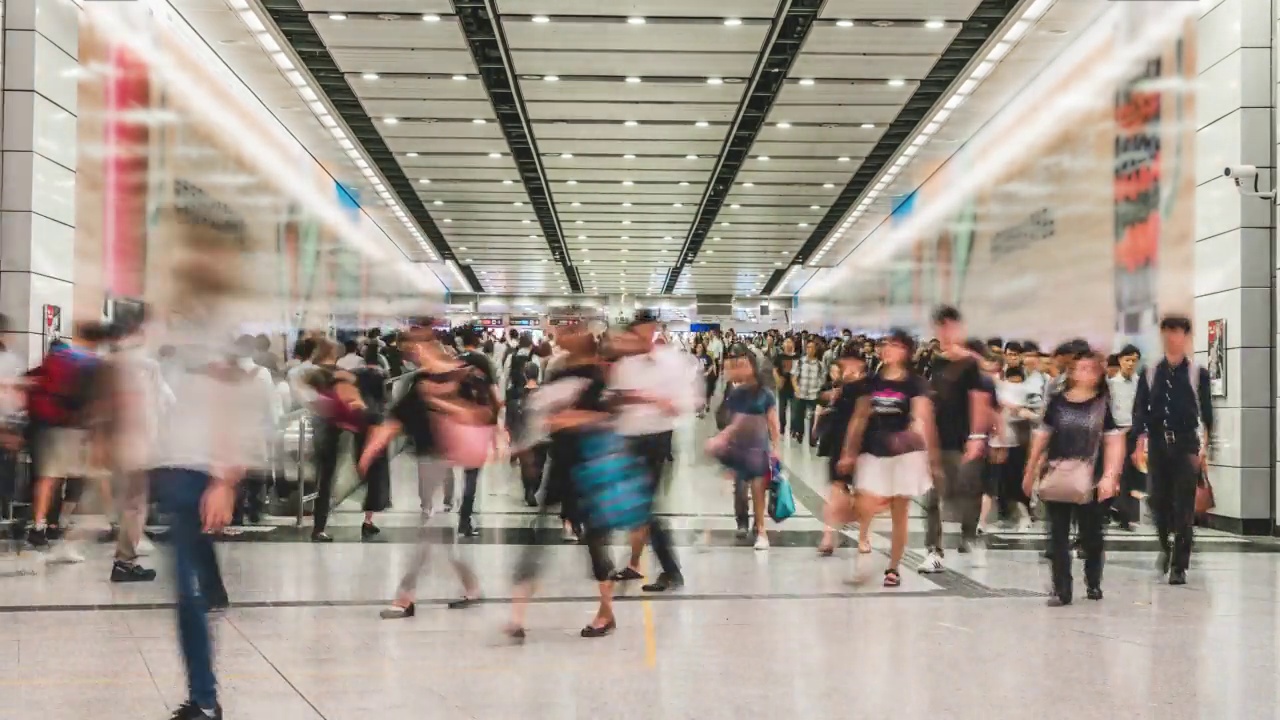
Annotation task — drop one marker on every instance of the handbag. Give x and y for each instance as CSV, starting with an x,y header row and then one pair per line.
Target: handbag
x,y
1071,480
462,445
612,484
1204,494
781,500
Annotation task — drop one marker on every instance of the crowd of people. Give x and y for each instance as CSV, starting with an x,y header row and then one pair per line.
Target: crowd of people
x,y
985,431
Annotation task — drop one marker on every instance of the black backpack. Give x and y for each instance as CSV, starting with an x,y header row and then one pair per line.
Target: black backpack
x,y
515,378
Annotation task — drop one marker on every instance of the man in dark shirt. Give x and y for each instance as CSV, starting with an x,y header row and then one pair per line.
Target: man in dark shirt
x,y
964,418
1173,419
482,389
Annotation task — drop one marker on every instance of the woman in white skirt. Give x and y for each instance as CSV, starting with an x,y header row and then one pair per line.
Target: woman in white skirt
x,y
889,444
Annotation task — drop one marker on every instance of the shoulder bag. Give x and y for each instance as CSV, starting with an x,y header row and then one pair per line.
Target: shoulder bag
x,y
1070,480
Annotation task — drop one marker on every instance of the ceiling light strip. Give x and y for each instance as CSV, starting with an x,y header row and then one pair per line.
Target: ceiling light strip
x,y
481,25
787,34
973,35
294,25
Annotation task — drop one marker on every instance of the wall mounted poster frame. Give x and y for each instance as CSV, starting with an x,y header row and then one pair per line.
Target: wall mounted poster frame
x,y
1218,357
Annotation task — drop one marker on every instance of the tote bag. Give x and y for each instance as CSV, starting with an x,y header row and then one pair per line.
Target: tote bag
x,y
462,445
611,482
1071,480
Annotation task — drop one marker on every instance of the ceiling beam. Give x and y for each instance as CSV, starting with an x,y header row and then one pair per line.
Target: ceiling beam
x,y
482,25
295,26
973,35
787,34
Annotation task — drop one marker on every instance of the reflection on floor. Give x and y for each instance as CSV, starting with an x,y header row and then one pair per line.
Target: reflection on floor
x,y
754,633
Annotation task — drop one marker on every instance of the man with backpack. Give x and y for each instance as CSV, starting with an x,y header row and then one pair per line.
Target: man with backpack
x,y
60,406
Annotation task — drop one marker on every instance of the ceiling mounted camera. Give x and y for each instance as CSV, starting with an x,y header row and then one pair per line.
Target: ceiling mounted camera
x,y
1242,173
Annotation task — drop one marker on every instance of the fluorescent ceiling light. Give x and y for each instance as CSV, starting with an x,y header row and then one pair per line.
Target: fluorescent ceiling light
x,y
935,24
967,87
431,18
999,51
683,183
572,182
508,182
541,19
702,123
268,42
690,157
337,133
983,69
479,121
337,16
784,125
897,82
295,78
828,185
1037,9
715,81
576,204
633,79
390,120
868,126
327,120
941,116
635,21
1017,31
627,182
551,78
282,61
628,156
370,76
762,158
931,128
732,22
842,159
251,19
807,81
495,155
424,181
631,123
844,23
459,77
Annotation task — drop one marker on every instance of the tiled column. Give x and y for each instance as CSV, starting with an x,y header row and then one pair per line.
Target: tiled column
x,y
38,168
1235,261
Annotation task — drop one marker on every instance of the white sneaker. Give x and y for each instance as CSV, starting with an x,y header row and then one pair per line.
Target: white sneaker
x,y
66,552
145,546
978,555
762,542
932,564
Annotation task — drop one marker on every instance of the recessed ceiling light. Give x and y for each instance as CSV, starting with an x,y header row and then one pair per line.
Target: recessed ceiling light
x,y
803,225
567,156
390,120
935,24
495,155
626,204
541,19
431,18
448,220
628,156
828,185
844,23
897,82
724,224
626,222
627,182
337,16
370,76
635,21
683,183
735,206
842,159
748,184
690,157
551,78
424,181
479,121
469,260
777,263
412,154
715,81
508,182
702,123
807,81
572,182
437,202
677,205
633,79
784,125
525,222
814,207
868,126
577,222
624,237
518,203
663,250
459,77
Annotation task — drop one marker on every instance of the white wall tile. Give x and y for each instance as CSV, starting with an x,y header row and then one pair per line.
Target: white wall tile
x,y
58,20
38,244
51,187
34,63
24,345
23,297
1249,377
33,123
1243,137
1205,6
1233,24
1243,437
1221,208
1241,492
1240,258
1242,79
1247,312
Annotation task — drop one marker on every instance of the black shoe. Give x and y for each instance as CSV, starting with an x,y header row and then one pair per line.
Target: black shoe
x,y
664,583
191,711
1058,601
127,572
38,538
109,535
530,498
592,631
321,537
515,634
55,532
395,612
369,530
1178,577
464,604
1125,525
1094,593
468,530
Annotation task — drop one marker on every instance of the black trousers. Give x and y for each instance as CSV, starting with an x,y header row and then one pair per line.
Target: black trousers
x,y
1089,518
653,451
785,399
1173,476
1011,472
327,436
470,482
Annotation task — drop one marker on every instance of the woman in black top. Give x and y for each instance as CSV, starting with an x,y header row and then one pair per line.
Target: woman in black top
x,y
840,403
572,403
371,382
708,374
1077,422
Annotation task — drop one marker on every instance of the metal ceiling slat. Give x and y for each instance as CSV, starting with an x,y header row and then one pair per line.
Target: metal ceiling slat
x,y
295,25
791,26
482,27
977,30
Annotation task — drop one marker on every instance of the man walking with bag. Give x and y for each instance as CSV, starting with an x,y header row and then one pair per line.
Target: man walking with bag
x,y
1173,419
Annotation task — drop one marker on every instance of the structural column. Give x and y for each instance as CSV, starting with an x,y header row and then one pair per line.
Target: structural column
x,y
38,146
1234,258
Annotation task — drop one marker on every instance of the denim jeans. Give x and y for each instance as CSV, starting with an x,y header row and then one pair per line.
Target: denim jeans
x,y
196,571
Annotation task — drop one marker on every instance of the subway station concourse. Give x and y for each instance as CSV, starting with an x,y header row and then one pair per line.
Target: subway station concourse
x,y
319,174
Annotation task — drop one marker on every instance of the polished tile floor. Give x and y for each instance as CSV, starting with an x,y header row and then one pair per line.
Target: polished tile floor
x,y
776,634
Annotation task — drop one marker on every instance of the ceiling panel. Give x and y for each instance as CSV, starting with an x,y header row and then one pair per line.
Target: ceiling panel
x,y
429,109
623,64
407,32
617,131
667,91
619,112
856,66
845,93
386,6
899,39
634,147
899,9
362,60
641,8
567,34
416,87
846,114
440,129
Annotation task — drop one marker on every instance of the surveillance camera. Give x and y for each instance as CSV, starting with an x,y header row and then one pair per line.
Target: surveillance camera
x,y
1240,172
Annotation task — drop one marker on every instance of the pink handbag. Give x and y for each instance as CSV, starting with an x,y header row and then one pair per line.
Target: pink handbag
x,y
462,445
1071,480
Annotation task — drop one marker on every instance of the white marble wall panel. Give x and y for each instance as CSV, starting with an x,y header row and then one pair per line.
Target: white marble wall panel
x,y
1239,258
1244,74
37,125
1233,139
57,20
1231,25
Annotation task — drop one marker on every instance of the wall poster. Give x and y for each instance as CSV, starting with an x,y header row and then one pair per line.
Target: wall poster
x,y
1218,358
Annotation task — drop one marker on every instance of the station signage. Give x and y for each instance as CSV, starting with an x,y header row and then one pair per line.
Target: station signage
x,y
490,322
525,321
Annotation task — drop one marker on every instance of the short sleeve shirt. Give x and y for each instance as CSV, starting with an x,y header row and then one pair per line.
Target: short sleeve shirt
x,y
753,404
1077,427
890,410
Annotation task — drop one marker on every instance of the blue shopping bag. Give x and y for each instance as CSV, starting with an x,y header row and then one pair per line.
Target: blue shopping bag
x,y
612,483
782,501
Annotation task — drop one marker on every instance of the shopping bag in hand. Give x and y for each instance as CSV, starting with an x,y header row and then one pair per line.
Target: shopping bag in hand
x,y
612,483
782,502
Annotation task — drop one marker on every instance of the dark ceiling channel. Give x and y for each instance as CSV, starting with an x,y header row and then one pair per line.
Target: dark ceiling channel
x,y
973,35
789,30
295,25
482,26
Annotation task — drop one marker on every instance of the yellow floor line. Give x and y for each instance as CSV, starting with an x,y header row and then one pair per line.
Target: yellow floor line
x,y
650,638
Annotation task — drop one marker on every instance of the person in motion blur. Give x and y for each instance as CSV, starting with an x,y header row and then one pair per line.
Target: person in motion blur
x,y
434,399
807,373
656,384
892,444
1077,423
1123,389
371,384
964,419
196,457
263,415
710,370
1173,418
842,401
336,408
752,436
486,392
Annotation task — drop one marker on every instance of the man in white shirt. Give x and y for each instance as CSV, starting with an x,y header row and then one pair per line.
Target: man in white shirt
x,y
351,358
1124,391
715,349
658,384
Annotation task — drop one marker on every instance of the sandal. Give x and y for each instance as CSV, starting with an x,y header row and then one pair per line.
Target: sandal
x,y
626,574
826,550
892,578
